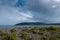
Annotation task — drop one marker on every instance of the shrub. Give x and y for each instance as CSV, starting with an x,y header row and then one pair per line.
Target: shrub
x,y
24,35
34,30
2,33
10,37
40,33
13,30
51,28
45,38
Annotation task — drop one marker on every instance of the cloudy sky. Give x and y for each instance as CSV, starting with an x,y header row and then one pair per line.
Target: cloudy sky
x,y
16,11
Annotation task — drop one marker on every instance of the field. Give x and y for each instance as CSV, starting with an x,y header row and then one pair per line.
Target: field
x,y
30,33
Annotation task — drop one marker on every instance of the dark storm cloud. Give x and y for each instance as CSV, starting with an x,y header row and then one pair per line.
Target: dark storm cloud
x,y
40,6
44,10
40,9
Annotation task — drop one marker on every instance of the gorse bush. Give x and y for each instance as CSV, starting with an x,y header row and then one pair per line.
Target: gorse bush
x,y
40,33
45,37
10,37
13,30
24,34
2,33
26,30
34,30
51,28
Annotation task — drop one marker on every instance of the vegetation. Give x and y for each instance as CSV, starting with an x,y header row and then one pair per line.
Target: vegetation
x,y
13,30
2,33
47,33
9,37
45,38
25,35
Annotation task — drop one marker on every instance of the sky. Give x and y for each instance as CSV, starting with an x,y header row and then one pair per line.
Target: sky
x,y
16,11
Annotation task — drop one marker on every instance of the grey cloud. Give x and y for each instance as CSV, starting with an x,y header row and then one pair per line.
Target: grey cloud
x,y
11,11
11,15
8,2
40,6
44,10
39,9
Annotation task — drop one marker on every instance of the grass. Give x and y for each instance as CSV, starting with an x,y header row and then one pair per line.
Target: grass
x,y
47,33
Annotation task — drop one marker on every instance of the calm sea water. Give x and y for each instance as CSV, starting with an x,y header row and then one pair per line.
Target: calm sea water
x,y
11,26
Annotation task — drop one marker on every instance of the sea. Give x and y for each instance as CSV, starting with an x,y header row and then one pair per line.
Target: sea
x,y
22,26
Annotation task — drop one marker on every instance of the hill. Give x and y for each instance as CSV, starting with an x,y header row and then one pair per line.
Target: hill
x,y
36,23
30,23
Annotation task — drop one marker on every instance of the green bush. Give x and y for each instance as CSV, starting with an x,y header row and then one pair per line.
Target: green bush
x,y
24,34
13,30
2,33
42,29
45,38
40,33
10,37
34,30
51,28
26,30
